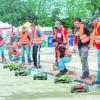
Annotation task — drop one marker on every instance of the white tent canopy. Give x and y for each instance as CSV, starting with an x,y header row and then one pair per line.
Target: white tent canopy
x,y
5,29
4,25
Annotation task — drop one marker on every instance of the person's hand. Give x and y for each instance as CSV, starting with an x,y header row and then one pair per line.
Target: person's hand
x,y
65,42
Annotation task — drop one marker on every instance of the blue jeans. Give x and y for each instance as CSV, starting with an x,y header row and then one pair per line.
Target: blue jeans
x,y
98,58
62,61
2,50
28,50
16,58
13,58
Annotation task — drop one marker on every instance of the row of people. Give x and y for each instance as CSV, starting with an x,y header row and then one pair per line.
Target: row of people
x,y
18,46
83,39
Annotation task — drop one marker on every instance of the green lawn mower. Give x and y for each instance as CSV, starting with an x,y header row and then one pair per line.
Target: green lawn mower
x,y
16,67
62,79
80,87
21,73
40,76
8,65
13,67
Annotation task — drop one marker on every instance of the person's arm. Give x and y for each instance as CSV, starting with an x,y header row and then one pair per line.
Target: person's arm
x,y
91,40
30,38
87,31
75,41
54,33
19,39
65,40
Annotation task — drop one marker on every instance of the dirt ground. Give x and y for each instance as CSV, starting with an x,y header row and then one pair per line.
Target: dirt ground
x,y
25,88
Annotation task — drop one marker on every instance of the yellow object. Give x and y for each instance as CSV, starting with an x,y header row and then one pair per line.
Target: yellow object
x,y
27,25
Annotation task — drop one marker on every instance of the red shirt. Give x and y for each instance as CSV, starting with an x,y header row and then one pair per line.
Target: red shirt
x,y
97,45
59,35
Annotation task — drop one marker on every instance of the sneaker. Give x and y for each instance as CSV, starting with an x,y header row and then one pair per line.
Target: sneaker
x,y
85,75
34,67
62,72
59,74
39,66
65,70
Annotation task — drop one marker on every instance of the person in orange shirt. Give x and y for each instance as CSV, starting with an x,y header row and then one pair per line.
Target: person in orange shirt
x,y
95,41
36,40
12,38
82,40
14,51
60,33
24,42
63,55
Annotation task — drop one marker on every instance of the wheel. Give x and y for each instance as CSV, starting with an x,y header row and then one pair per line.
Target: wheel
x,y
34,77
16,73
45,77
20,73
72,89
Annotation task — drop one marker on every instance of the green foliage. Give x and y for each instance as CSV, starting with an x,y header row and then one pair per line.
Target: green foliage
x,y
94,7
45,12
67,23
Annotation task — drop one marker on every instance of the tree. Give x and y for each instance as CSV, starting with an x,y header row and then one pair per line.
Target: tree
x,y
45,12
94,7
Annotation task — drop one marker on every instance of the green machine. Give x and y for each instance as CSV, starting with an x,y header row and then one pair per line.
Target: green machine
x,y
21,73
8,65
40,76
62,79
13,67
